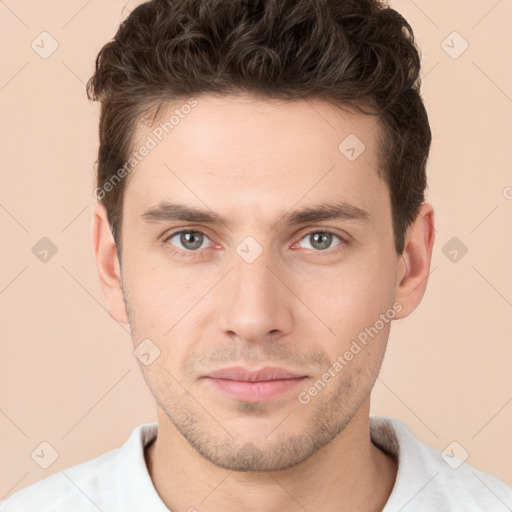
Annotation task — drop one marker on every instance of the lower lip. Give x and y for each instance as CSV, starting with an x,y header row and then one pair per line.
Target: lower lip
x,y
255,391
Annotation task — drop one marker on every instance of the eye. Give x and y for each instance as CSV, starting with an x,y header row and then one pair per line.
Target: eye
x,y
190,240
321,240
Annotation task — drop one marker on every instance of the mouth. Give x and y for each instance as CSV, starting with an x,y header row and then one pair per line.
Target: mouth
x,y
254,386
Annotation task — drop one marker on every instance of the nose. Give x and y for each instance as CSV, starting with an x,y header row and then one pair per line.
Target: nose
x,y
256,303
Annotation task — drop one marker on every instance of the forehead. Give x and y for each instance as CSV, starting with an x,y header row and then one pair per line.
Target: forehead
x,y
244,153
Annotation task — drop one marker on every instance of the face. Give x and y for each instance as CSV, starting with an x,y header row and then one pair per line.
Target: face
x,y
265,286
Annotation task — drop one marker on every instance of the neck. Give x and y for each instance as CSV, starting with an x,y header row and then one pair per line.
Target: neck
x,y
349,473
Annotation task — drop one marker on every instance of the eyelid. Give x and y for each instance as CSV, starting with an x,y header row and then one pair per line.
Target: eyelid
x,y
200,231
315,229
344,239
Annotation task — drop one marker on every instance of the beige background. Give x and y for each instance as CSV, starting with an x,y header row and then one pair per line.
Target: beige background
x,y
68,376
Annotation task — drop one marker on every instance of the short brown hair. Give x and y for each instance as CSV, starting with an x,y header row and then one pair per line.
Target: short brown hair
x,y
357,53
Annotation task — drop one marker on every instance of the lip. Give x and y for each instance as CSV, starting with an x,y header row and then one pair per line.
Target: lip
x,y
239,373
254,386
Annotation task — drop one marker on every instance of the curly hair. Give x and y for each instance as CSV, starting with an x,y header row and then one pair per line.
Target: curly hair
x,y
356,53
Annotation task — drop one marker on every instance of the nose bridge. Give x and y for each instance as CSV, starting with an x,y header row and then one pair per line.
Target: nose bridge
x,y
255,301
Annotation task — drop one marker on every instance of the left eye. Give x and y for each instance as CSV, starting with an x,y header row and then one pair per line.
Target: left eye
x,y
321,240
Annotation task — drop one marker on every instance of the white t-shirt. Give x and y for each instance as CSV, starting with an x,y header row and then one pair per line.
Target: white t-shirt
x,y
118,481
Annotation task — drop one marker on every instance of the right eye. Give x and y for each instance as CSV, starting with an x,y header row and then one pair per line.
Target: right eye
x,y
186,242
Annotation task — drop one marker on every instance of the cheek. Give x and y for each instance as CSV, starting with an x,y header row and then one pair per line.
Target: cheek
x,y
165,306
355,293
352,304
161,294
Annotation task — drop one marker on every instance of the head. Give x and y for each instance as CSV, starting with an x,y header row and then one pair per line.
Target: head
x,y
298,130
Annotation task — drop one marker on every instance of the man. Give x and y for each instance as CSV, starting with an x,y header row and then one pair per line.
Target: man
x,y
261,221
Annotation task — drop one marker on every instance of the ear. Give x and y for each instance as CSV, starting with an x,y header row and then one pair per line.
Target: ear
x,y
414,266
107,263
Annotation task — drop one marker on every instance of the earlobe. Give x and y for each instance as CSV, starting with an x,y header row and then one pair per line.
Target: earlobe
x,y
414,266
107,263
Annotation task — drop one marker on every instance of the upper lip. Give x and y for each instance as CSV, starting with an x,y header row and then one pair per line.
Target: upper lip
x,y
240,373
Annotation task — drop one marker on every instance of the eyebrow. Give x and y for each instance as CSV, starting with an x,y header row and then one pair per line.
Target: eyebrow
x,y
167,211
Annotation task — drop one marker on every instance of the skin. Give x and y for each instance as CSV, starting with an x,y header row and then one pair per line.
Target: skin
x,y
295,306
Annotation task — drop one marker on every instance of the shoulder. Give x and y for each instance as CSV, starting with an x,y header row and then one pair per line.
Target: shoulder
x,y
66,490
88,486
429,479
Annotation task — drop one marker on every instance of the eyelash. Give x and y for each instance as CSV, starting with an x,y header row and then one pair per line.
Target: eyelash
x,y
196,253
